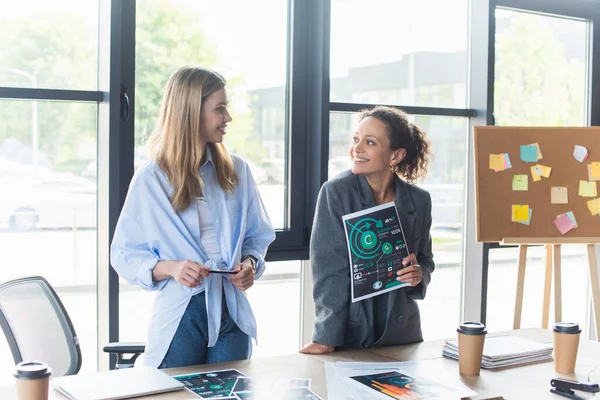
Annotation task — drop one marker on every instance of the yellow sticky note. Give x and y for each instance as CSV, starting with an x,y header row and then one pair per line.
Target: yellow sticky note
x,y
595,169
587,189
558,195
594,206
544,171
520,182
539,152
496,162
534,174
520,213
590,177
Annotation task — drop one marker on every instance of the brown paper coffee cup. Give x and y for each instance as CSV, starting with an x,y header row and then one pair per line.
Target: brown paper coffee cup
x,y
33,389
471,338
566,344
32,380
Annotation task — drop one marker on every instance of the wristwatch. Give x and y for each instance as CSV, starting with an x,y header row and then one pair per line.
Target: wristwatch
x,y
253,261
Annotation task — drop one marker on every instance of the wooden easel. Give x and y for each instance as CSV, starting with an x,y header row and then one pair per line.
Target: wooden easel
x,y
553,259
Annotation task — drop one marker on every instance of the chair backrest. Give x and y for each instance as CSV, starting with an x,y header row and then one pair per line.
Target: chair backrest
x,y
37,326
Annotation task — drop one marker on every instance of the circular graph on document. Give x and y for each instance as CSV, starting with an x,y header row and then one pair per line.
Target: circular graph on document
x,y
363,239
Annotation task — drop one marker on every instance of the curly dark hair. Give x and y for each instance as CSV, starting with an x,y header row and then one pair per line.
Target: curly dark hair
x,y
404,135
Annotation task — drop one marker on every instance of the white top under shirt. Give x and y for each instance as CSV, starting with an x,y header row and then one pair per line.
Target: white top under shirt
x,y
208,235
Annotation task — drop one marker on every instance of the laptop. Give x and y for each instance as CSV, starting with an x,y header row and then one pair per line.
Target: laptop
x,y
117,384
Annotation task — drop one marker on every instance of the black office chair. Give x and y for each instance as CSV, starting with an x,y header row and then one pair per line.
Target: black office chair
x,y
37,327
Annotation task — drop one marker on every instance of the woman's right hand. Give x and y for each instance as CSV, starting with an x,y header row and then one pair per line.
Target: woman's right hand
x,y
189,273
317,348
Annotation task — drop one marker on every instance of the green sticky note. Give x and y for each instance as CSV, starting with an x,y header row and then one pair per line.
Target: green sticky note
x,y
520,183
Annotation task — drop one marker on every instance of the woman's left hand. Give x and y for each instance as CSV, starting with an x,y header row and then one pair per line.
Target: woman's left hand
x,y
244,278
411,273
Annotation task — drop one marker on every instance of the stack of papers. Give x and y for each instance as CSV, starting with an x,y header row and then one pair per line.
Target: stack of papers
x,y
504,351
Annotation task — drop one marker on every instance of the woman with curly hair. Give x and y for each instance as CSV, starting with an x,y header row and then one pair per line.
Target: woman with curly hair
x,y
388,153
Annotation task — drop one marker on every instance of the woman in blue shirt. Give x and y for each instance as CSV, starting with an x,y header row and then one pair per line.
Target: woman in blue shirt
x,y
194,209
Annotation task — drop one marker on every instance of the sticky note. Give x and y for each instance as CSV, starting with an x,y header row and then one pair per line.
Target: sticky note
x,y
590,177
496,162
595,169
520,183
543,171
507,163
534,174
571,217
520,213
529,153
580,153
594,206
587,189
539,152
528,219
564,224
558,195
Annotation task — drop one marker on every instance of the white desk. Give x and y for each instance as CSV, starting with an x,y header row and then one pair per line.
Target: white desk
x,y
523,382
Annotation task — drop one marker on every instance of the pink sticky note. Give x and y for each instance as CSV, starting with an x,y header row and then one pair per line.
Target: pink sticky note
x,y
564,224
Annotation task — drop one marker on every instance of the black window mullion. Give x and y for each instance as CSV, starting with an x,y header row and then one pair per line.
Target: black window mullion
x,y
308,119
121,136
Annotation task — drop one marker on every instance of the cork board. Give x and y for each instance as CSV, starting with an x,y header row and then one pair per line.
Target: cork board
x,y
494,190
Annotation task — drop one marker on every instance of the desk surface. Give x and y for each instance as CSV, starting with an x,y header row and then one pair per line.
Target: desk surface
x,y
522,382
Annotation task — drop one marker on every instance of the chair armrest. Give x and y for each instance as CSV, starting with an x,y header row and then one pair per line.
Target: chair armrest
x,y
125,348
121,348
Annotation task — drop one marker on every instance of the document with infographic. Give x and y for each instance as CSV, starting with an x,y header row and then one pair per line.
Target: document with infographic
x,y
211,384
376,247
403,387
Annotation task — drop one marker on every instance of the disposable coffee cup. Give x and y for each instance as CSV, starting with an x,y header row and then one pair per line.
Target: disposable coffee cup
x,y
566,343
33,380
471,337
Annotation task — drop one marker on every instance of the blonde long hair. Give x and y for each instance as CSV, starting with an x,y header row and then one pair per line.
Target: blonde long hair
x,y
175,144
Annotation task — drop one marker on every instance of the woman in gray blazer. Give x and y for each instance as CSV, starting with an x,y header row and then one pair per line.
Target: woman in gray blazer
x,y
387,153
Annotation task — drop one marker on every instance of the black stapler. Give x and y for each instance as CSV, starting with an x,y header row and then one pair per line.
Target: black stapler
x,y
565,387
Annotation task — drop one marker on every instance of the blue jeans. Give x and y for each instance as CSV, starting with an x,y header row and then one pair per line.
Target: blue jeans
x,y
190,343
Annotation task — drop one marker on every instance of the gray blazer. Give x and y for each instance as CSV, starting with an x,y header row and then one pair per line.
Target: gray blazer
x,y
388,319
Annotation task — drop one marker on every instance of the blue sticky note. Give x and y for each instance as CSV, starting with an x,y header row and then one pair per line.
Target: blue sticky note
x,y
529,154
507,163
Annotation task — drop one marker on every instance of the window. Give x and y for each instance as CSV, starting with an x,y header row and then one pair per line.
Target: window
x,y
385,52
224,41
541,79
49,44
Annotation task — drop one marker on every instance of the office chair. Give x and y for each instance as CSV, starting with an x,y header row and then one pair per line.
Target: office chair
x,y
37,327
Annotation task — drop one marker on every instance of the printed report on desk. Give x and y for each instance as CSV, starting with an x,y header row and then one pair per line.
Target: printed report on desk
x,y
376,247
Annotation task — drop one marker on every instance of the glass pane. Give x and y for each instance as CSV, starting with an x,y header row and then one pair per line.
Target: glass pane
x,y
502,287
278,322
218,39
541,80
257,93
390,52
541,70
48,205
445,183
49,44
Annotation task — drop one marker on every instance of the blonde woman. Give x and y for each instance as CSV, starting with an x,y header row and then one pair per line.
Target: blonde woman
x,y
194,228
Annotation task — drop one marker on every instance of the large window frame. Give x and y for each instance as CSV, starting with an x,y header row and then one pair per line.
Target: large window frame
x,y
580,9
307,109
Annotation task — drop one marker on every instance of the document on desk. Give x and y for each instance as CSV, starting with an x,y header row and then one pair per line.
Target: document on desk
x,y
362,381
376,248
211,384
273,388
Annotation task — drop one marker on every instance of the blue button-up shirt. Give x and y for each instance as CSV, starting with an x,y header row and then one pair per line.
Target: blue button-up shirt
x,y
150,230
